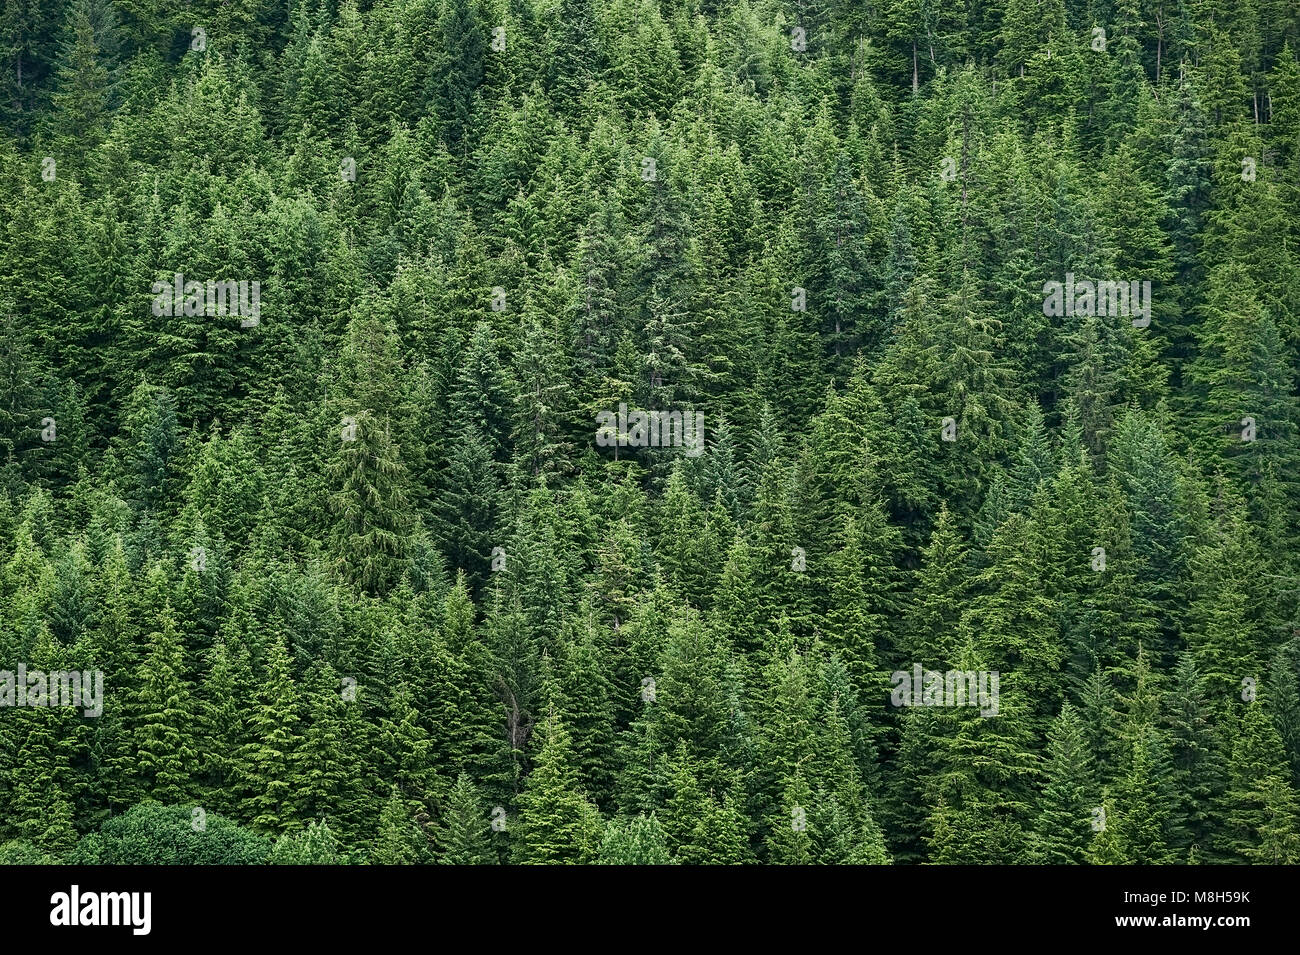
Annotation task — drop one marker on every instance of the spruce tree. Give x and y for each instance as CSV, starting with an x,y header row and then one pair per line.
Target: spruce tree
x,y
464,838
557,822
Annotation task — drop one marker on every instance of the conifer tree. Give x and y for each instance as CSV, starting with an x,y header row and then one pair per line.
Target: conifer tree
x,y
638,840
370,497
464,838
1062,832
264,764
161,719
1259,807
557,823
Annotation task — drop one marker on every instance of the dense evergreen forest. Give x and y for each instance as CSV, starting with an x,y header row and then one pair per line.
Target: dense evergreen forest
x,y
329,333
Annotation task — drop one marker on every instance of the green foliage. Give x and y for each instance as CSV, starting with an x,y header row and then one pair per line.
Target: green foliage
x,y
154,834
634,841
365,584
314,845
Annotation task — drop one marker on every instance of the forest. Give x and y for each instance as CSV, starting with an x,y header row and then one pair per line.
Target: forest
x,y
654,432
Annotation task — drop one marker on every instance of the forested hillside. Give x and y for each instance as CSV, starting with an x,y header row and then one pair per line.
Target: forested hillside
x,y
329,337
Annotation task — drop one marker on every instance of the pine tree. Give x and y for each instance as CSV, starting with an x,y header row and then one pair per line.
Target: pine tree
x,y
264,765
329,763
1198,773
458,68
315,845
161,721
464,838
40,806
85,76
1062,831
634,841
400,840
1141,801
557,823
793,838
370,538
1259,807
